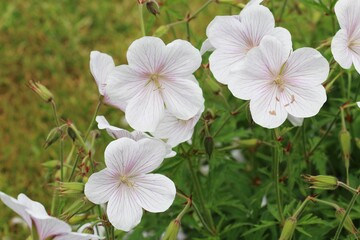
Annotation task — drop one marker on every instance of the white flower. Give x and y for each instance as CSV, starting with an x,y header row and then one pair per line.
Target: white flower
x,y
358,103
101,66
46,226
345,45
117,133
157,77
279,82
174,130
233,36
126,185
296,122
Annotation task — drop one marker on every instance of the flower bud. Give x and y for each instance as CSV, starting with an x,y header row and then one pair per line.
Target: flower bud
x,y
345,142
348,224
88,230
209,145
80,218
51,164
172,230
289,229
41,90
246,143
161,31
153,7
52,137
71,133
323,182
71,188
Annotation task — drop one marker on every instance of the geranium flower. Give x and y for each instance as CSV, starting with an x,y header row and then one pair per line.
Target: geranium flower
x,y
157,77
279,82
175,131
126,185
117,133
345,45
233,37
34,214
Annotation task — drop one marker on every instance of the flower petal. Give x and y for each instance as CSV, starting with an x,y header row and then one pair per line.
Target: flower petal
x,y
101,65
77,236
101,185
302,102
154,192
296,122
348,15
181,59
123,211
147,55
206,47
182,97
146,108
266,110
305,67
124,82
114,132
31,205
284,36
340,49
48,227
16,206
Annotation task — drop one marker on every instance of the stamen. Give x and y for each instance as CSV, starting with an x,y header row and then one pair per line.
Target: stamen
x,y
125,180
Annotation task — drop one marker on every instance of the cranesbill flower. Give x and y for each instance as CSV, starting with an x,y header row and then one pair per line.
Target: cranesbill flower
x,y
157,77
279,82
35,215
233,37
126,184
175,131
117,133
345,45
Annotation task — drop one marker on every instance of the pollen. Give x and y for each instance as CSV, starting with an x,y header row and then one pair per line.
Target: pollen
x,y
125,180
155,78
273,112
280,83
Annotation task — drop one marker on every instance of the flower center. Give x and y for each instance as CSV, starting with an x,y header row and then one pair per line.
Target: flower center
x,y
280,83
125,180
155,78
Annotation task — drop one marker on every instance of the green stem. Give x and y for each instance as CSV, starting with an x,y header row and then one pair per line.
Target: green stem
x,y
282,10
201,9
350,206
94,117
301,208
347,187
202,219
141,16
278,154
326,203
61,142
357,92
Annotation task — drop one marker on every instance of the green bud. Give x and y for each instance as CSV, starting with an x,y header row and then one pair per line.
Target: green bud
x,y
289,229
323,182
52,137
153,7
51,164
172,230
41,90
71,188
80,218
88,230
78,205
71,133
246,143
161,31
209,145
345,142
348,224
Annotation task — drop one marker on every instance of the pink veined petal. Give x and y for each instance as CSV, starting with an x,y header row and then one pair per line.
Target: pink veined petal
x,y
137,135
348,15
123,211
182,97
262,66
266,110
147,55
356,56
101,185
302,102
120,155
77,236
181,59
48,227
154,192
145,110
101,65
16,206
206,47
257,21
124,82
340,49
283,35
151,154
253,2
175,130
114,132
31,205
305,67
295,121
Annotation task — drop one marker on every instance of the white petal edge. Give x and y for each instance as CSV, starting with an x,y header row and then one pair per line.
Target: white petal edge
x,y
101,65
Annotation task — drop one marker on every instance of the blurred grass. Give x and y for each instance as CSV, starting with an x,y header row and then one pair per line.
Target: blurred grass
x,y
50,42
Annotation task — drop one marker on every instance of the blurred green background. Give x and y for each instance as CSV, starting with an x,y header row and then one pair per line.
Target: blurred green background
x,y
50,42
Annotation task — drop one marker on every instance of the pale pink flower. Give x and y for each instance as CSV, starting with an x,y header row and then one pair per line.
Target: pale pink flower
x,y
233,37
117,133
345,45
157,77
35,215
279,82
127,185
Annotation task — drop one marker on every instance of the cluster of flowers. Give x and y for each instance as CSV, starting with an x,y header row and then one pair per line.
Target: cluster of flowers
x,y
163,101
